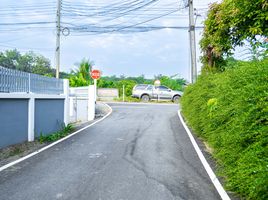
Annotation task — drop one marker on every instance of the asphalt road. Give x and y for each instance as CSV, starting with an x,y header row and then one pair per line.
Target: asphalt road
x,y
140,152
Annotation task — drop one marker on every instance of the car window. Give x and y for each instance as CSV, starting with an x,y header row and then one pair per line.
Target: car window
x,y
141,87
163,88
150,87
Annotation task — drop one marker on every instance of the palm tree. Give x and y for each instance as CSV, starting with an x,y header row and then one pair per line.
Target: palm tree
x,y
81,76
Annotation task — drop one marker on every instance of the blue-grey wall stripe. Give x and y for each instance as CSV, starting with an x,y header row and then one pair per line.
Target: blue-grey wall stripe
x,y
49,116
13,121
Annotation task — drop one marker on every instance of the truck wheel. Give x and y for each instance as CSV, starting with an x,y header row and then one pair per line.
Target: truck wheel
x,y
176,99
145,98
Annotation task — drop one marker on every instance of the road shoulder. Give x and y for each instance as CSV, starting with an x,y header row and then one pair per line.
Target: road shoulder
x,y
205,155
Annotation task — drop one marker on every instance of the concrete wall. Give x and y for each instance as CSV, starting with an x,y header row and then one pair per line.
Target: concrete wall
x,y
49,116
23,116
82,104
13,121
107,93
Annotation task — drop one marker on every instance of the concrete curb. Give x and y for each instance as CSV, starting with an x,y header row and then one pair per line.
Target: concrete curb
x,y
223,194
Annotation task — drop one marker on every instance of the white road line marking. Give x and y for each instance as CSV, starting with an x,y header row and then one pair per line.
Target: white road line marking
x,y
140,103
54,143
95,155
130,107
207,167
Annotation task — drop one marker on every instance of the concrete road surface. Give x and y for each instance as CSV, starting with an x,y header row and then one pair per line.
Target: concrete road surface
x,y
140,152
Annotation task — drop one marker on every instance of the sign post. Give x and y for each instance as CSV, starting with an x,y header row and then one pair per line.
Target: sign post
x,y
95,75
95,90
157,83
123,93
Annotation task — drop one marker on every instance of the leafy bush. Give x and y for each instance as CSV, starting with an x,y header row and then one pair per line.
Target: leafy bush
x,y
230,111
57,135
172,83
127,99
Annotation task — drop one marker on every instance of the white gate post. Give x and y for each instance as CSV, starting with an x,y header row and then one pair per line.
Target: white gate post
x,y
31,111
66,101
95,90
91,103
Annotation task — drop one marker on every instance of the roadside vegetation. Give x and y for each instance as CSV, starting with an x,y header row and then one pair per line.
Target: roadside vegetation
x,y
230,111
66,130
228,105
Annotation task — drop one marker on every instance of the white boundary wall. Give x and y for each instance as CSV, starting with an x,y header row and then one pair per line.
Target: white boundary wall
x,y
82,104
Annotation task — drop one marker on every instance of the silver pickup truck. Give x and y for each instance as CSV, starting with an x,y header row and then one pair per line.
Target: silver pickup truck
x,y
147,92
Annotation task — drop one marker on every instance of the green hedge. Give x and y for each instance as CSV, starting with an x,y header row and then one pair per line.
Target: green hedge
x,y
230,111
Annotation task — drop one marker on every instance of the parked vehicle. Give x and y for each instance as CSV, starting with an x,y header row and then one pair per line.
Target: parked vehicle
x,y
147,92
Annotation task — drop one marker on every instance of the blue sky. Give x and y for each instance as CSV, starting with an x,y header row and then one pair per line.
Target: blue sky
x,y
163,51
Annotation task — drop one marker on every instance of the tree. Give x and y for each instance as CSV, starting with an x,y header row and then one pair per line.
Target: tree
x,y
81,76
173,83
128,84
41,65
10,59
230,24
25,63
28,62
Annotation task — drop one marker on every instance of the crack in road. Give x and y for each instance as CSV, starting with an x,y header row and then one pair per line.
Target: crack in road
x,y
175,186
134,154
129,156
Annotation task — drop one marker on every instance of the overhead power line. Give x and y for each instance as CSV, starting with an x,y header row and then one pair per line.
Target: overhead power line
x,y
77,17
24,23
119,17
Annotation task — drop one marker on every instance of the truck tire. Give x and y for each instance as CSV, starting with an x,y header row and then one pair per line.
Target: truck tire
x,y
145,98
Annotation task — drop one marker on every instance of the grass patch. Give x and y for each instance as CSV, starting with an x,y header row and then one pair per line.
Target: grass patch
x,y
131,99
127,99
66,130
229,110
15,151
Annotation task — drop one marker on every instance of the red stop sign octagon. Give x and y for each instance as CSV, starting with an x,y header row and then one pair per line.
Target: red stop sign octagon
x,y
95,74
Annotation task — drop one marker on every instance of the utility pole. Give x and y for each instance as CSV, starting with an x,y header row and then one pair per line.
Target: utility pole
x,y
57,53
192,41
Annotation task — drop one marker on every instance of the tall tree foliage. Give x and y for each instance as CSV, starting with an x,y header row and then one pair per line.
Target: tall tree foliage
x,y
230,24
81,76
28,62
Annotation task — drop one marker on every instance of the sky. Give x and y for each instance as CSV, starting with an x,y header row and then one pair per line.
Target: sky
x,y
29,25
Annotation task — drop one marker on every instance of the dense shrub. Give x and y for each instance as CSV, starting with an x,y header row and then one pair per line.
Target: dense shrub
x,y
230,111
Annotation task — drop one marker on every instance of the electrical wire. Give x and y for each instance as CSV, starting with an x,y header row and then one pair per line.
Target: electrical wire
x,y
88,18
119,17
114,17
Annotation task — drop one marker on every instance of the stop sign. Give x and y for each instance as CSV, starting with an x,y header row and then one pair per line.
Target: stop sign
x,y
95,74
